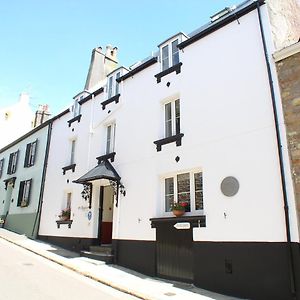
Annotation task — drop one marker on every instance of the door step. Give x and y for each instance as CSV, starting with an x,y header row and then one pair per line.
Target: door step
x,y
103,253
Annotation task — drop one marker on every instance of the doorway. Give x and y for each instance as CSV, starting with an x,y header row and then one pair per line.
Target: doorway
x,y
174,249
106,206
7,200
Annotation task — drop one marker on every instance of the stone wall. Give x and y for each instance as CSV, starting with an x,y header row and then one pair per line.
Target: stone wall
x,y
289,80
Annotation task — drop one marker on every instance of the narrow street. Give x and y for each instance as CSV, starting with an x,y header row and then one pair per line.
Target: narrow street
x,y
24,275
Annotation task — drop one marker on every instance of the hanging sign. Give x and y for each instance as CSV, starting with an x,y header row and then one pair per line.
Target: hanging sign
x,y
89,215
182,225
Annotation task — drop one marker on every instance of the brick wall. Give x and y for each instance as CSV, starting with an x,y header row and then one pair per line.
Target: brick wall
x,y
289,80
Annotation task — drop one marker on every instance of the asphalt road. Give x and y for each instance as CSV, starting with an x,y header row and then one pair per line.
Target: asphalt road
x,y
27,276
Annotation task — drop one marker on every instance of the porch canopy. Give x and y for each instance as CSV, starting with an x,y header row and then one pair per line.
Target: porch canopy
x,y
104,170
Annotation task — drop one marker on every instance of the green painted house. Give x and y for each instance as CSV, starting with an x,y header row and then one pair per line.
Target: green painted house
x,y
22,171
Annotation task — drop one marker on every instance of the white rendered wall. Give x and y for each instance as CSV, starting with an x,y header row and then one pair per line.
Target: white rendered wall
x,y
228,126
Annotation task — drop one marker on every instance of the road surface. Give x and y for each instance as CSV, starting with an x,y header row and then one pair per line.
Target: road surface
x,y
27,276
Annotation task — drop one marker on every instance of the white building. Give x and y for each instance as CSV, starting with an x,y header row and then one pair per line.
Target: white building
x,y
15,120
200,123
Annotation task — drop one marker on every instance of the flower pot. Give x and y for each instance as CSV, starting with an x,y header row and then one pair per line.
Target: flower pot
x,y
178,213
64,218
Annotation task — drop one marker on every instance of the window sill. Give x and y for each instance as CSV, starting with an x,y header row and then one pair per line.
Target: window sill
x,y
174,138
176,68
68,222
70,167
195,221
110,156
110,100
77,118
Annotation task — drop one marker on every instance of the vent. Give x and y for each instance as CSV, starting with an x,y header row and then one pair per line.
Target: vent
x,y
222,13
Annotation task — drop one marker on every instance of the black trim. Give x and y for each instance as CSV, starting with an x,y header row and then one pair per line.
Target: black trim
x,y
68,222
138,69
77,118
219,24
70,167
248,270
110,156
136,255
71,243
195,221
176,68
174,138
87,98
8,180
110,100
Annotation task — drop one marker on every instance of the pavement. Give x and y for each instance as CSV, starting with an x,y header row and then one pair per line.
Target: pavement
x,y
122,279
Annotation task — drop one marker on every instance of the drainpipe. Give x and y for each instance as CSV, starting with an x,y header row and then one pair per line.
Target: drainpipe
x,y
43,181
281,163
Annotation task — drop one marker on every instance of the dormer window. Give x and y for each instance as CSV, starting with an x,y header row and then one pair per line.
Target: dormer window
x,y
76,108
170,55
113,86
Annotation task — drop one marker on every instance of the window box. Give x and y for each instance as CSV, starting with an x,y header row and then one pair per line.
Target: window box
x,y
70,167
77,118
110,100
176,68
174,138
195,221
67,222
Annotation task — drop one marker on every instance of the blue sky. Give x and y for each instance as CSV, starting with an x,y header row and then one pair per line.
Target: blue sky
x,y
46,45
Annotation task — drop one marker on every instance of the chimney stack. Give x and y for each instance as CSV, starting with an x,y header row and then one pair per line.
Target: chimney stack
x,y
41,115
101,64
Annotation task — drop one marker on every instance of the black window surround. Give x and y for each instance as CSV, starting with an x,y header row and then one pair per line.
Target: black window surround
x,y
176,68
110,100
110,156
70,167
67,222
195,221
174,138
77,118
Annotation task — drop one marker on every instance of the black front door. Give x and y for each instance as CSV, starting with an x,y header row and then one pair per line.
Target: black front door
x,y
174,252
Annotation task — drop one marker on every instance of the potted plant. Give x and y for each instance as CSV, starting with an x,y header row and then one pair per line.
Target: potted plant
x,y
65,214
178,208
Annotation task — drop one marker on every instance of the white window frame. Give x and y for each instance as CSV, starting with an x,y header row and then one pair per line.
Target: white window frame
x,y
192,173
110,143
76,108
170,60
173,118
72,151
113,87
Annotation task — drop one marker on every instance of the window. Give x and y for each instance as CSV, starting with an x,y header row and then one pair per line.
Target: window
x,y
30,154
113,86
1,166
24,193
170,55
69,200
110,86
76,108
186,187
72,157
118,75
172,118
12,164
110,138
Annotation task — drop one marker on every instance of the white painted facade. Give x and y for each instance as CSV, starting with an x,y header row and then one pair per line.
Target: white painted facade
x,y
228,126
